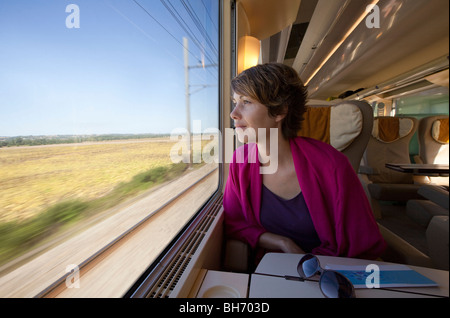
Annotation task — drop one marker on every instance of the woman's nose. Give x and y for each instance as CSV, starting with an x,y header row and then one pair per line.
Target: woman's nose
x,y
234,114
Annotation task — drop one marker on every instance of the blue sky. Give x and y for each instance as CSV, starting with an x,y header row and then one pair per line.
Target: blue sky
x,y
120,72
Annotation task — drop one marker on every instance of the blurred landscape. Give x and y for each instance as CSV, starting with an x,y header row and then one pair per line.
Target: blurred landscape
x,y
46,188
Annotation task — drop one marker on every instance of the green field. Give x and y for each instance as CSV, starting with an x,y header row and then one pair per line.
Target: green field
x,y
46,188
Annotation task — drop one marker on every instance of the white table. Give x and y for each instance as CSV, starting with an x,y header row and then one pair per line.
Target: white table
x,y
268,280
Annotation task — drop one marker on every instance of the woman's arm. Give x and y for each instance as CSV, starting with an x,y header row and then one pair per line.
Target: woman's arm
x,y
239,221
276,242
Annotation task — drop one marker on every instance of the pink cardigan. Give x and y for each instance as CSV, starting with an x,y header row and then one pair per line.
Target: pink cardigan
x,y
333,193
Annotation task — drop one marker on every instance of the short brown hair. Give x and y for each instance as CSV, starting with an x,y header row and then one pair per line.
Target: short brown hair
x,y
279,88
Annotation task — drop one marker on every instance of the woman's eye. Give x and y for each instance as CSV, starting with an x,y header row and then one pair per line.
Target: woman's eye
x,y
242,102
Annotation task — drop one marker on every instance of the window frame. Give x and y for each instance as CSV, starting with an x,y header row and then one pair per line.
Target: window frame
x,y
227,65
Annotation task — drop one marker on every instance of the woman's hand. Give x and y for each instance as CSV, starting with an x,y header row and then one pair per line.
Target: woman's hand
x,y
276,242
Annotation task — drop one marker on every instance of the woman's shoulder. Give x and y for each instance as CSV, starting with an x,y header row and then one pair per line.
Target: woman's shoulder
x,y
315,145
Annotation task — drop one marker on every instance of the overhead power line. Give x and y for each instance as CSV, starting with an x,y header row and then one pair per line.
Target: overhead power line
x,y
199,26
186,29
162,26
182,23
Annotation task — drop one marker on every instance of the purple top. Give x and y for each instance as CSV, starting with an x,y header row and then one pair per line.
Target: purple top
x,y
289,218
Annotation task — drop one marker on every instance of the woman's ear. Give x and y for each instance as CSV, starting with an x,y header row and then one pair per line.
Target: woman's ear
x,y
282,115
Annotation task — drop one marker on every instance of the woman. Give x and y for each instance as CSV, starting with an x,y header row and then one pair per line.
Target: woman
x,y
313,202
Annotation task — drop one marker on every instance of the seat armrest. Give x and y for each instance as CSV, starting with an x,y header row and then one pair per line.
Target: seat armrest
x,y
393,192
435,194
438,241
368,170
400,251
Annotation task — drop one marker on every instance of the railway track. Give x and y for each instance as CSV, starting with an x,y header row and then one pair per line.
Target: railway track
x,y
105,265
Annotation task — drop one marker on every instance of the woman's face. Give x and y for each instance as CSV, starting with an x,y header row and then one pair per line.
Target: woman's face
x,y
249,115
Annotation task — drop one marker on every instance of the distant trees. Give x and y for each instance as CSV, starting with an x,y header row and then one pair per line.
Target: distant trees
x,y
69,139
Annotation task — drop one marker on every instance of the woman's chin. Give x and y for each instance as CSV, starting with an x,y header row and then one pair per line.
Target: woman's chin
x,y
246,135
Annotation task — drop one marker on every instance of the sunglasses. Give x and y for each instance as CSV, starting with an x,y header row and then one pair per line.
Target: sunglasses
x,y
332,284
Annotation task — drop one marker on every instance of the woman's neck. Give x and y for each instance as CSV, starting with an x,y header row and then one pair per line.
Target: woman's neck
x,y
275,150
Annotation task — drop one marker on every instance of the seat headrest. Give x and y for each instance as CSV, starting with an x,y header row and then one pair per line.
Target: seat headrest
x,y
336,125
439,130
390,129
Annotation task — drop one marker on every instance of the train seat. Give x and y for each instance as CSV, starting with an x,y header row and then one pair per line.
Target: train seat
x,y
431,243
345,125
388,143
433,136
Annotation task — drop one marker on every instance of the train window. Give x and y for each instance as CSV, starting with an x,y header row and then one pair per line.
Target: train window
x,y
429,102
96,97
